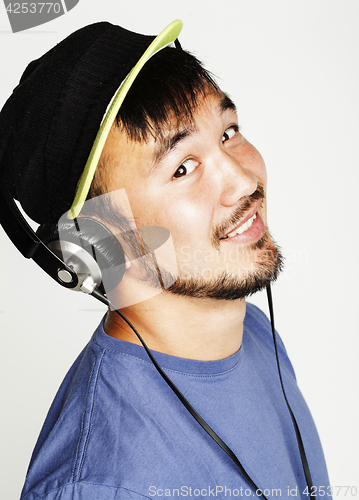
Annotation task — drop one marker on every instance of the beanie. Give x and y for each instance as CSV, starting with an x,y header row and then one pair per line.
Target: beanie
x,y
48,125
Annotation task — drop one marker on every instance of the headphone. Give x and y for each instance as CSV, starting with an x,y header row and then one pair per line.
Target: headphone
x,y
80,254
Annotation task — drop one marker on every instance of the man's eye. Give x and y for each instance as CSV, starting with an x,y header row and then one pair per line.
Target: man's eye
x,y
186,168
229,133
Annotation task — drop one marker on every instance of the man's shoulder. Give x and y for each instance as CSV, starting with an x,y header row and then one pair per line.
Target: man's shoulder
x,y
254,314
257,323
257,327
57,447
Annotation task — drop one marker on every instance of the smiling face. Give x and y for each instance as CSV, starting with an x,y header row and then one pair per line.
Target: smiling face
x,y
206,184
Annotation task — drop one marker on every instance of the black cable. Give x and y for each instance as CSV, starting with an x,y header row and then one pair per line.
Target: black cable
x,y
202,422
303,457
183,400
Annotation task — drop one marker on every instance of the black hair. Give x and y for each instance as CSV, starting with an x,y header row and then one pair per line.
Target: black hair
x,y
167,90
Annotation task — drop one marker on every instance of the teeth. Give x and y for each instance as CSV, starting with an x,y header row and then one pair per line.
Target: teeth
x,y
243,227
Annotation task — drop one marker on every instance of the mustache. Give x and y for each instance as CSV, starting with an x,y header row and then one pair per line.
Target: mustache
x,y
221,229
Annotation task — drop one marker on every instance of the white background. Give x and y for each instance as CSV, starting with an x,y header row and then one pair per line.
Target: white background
x,y
292,69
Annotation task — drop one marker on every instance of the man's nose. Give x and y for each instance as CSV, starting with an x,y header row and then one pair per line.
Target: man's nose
x,y
237,179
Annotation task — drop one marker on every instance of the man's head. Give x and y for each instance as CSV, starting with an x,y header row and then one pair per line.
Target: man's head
x,y
203,181
168,129
175,148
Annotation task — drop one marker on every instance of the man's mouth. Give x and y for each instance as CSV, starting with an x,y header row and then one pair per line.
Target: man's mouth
x,y
246,222
241,228
245,225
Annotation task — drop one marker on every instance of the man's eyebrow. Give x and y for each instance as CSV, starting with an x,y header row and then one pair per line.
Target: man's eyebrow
x,y
226,103
167,145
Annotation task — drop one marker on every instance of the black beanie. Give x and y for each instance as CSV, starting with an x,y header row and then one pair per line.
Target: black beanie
x,y
48,125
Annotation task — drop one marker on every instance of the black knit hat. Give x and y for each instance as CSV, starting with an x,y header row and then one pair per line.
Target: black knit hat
x,y
48,125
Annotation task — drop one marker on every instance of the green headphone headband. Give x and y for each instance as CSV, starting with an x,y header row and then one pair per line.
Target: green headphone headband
x,y
167,36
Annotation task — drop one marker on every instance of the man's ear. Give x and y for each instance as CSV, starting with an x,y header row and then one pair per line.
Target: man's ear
x,y
128,262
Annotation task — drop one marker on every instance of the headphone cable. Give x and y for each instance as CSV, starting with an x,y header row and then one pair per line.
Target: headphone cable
x,y
182,398
96,294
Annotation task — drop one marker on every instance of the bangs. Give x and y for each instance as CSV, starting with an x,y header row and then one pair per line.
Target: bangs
x,y
165,94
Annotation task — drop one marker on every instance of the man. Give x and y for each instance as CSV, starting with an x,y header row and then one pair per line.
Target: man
x,y
174,158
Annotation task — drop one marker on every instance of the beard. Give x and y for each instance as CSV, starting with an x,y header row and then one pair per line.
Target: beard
x,y
265,269
258,264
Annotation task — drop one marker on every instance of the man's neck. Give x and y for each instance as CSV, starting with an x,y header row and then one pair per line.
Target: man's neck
x,y
202,329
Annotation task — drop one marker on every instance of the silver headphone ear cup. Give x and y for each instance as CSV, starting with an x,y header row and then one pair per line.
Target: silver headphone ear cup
x,y
90,248
81,262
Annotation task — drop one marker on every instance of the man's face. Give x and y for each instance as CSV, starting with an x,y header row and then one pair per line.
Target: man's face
x,y
206,184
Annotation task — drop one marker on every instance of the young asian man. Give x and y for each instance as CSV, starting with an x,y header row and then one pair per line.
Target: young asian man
x,y
174,158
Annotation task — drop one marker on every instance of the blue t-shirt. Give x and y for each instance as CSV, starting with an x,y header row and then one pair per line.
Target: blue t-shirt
x,y
116,430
